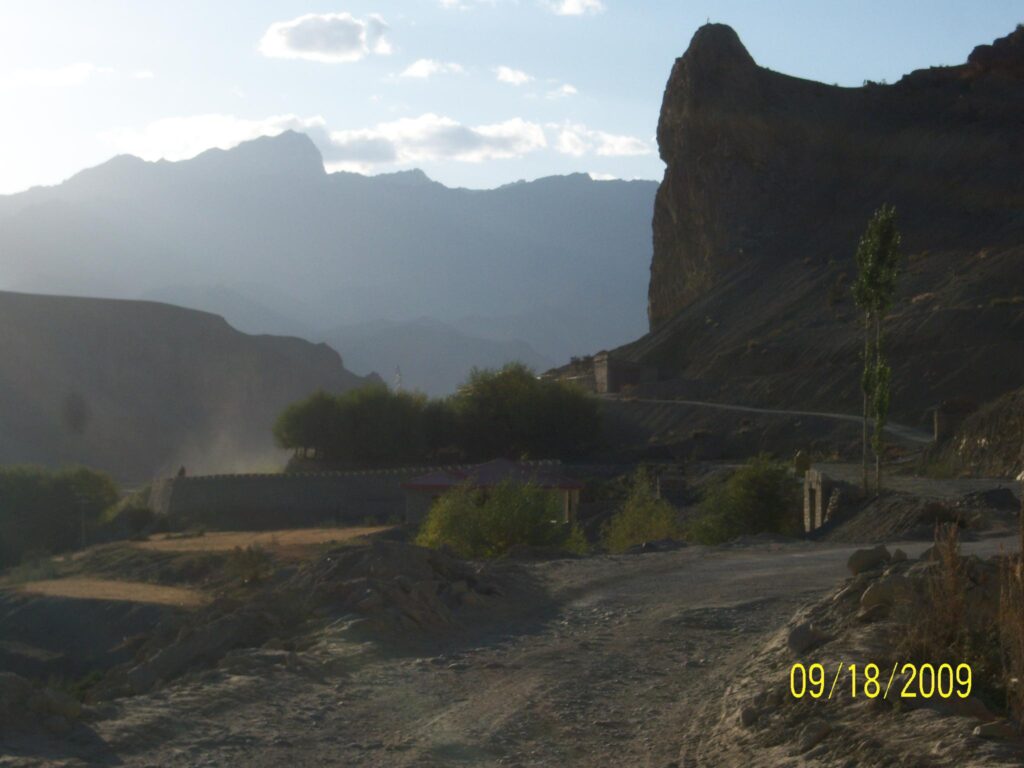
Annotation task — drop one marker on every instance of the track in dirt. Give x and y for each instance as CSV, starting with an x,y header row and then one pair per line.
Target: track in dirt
x,y
635,659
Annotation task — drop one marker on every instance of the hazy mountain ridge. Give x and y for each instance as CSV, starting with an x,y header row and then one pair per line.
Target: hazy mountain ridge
x,y
339,249
432,357
137,388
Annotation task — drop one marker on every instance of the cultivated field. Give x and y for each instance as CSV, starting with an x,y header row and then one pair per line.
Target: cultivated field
x,y
109,589
293,543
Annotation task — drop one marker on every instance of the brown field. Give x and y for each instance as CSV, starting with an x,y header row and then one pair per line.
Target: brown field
x,y
293,543
108,589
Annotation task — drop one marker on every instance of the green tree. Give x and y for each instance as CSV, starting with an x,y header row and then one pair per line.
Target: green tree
x,y
46,511
512,413
307,426
370,426
878,266
644,517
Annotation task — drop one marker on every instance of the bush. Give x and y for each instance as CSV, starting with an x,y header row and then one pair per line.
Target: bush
x,y
249,565
44,510
760,497
487,523
643,517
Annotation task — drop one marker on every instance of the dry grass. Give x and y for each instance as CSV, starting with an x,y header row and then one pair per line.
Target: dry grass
x,y
1011,630
938,632
290,544
108,589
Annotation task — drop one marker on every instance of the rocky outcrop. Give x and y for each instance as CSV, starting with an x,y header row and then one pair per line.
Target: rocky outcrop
x,y
769,183
765,168
990,442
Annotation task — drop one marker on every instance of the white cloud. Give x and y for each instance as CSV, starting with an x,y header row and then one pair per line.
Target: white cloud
x,y
576,7
179,138
424,68
58,77
595,176
578,140
562,91
327,37
143,74
431,137
407,141
512,76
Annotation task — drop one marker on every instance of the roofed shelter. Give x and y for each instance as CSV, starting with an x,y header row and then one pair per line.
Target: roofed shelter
x,y
421,492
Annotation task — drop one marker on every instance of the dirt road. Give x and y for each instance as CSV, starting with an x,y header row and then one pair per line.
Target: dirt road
x,y
910,434
624,667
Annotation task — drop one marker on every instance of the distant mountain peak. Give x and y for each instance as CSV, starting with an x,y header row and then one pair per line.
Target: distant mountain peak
x,y
288,153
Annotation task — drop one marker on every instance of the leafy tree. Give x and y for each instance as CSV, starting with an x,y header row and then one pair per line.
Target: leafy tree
x,y
643,517
757,498
512,413
46,511
367,426
307,425
878,266
509,413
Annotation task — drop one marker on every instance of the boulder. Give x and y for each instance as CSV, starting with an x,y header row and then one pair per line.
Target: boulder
x,y
15,692
887,591
867,559
804,637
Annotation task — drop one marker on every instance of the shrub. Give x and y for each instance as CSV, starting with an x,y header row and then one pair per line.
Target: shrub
x,y
643,517
249,565
757,498
488,522
42,509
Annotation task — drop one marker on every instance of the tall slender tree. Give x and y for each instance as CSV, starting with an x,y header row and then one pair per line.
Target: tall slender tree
x,y
878,266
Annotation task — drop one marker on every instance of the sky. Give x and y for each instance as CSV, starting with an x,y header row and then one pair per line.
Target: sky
x,y
477,93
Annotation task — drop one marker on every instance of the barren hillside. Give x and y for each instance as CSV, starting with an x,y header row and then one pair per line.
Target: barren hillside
x,y
770,181
136,388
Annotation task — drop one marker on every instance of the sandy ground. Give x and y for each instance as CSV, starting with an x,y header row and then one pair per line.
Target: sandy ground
x,y
291,543
628,667
109,589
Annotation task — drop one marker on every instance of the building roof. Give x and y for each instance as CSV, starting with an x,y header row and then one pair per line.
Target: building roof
x,y
491,474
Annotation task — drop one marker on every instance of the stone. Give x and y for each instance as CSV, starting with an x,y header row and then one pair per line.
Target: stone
x,y
867,559
57,725
15,691
887,591
999,729
898,555
804,637
749,716
873,614
813,734
60,703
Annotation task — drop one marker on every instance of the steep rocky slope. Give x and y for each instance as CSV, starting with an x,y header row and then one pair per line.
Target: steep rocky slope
x,y
136,388
769,182
990,442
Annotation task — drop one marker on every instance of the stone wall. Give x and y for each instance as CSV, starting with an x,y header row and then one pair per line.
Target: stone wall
x,y
254,502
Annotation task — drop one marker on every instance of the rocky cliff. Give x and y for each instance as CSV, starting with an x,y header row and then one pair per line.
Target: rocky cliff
x,y
770,180
137,388
763,167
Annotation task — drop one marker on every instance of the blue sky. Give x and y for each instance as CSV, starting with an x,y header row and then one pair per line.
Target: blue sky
x,y
476,92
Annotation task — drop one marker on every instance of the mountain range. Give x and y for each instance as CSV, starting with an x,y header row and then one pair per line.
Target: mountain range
x,y
262,235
